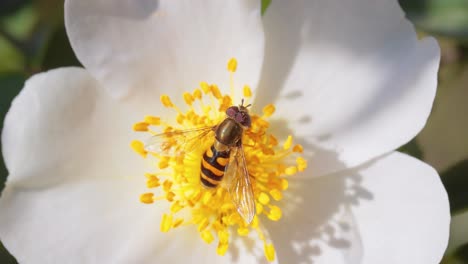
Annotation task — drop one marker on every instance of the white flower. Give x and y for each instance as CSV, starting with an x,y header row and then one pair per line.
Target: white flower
x,y
349,79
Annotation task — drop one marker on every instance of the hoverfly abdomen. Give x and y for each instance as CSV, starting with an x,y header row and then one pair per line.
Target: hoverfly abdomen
x,y
213,165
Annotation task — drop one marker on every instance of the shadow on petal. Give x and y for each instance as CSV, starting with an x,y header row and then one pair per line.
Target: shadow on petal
x,y
345,42
316,210
317,219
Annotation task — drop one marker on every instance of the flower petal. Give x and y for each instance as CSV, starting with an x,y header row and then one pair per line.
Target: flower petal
x,y
64,115
74,184
352,77
100,221
378,213
142,47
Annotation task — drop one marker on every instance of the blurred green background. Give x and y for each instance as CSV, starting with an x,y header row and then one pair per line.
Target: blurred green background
x,y
33,39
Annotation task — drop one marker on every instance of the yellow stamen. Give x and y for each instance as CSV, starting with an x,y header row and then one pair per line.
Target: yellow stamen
x,y
176,207
139,148
232,65
205,87
140,127
284,184
177,175
298,148
152,182
222,248
291,170
178,222
163,164
288,142
197,94
188,98
269,110
166,223
263,198
269,252
166,101
301,163
247,91
243,231
275,213
215,91
207,236
276,194
153,120
147,198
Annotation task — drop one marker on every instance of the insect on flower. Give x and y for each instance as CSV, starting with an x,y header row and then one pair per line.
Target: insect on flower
x,y
223,159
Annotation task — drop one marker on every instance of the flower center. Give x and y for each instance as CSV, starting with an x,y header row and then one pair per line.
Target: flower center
x,y
225,175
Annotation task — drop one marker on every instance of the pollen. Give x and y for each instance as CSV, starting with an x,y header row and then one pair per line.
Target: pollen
x,y
175,148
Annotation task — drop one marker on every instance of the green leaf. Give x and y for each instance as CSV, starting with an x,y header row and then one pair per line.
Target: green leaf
x,y
10,86
455,180
5,257
461,254
412,148
443,17
10,57
265,4
9,7
59,52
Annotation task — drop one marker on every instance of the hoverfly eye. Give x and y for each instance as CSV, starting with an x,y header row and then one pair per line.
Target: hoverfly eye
x,y
246,120
232,111
239,118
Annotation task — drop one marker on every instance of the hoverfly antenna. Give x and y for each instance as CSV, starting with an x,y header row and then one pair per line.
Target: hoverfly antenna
x,y
242,104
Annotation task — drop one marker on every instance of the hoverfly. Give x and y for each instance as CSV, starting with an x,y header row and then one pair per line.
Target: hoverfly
x,y
224,159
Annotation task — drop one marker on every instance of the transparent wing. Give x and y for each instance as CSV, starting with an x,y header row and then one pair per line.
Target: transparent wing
x,y
178,141
239,186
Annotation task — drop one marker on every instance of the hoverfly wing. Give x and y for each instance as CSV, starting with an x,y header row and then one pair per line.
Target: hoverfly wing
x,y
239,185
177,141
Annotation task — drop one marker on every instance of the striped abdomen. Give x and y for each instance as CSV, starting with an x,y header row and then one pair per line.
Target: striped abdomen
x,y
212,167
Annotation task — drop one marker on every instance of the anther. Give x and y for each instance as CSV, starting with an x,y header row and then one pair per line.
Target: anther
x,y
247,91
232,65
268,110
166,101
140,127
147,198
139,148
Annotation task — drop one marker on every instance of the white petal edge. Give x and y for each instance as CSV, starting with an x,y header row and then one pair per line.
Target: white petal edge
x,y
101,221
352,78
390,210
60,115
142,48
74,184
444,147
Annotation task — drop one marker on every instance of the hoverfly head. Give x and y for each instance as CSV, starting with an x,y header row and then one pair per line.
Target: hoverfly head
x,y
240,114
